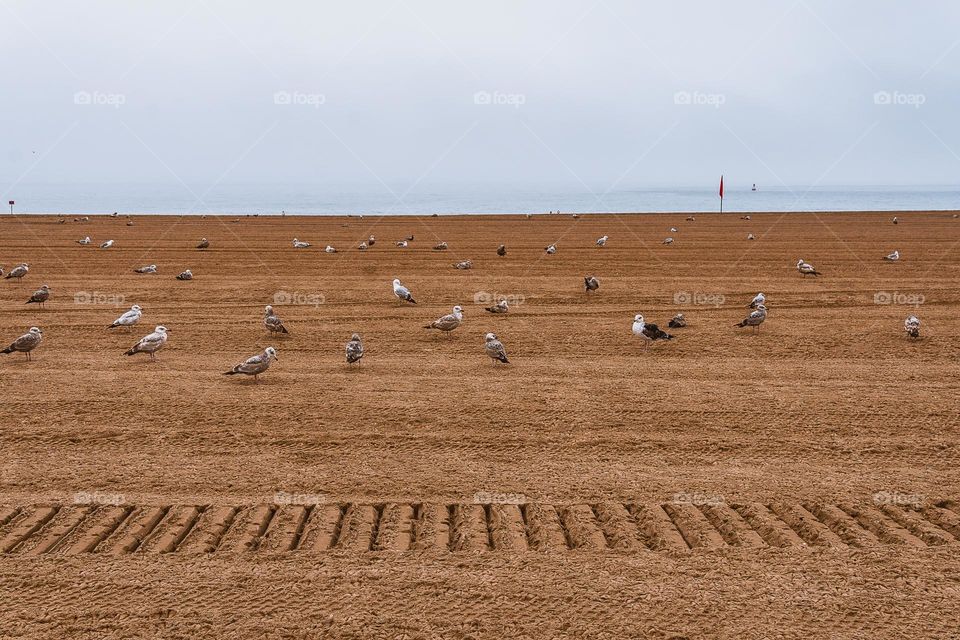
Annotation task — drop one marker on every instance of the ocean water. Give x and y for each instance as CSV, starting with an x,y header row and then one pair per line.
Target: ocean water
x,y
380,199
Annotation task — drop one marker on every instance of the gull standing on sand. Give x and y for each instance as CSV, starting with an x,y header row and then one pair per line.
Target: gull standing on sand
x,y
502,250
329,249
186,274
552,249
602,241
84,241
300,244
107,244
150,268
500,307
464,264
129,318
204,243
371,241
590,283
354,349
494,349
806,268
272,321
363,246
254,365
750,236
18,272
26,343
402,292
912,326
150,343
677,322
649,332
892,257
758,300
440,247
895,220
755,319
668,240
40,296
402,244
448,322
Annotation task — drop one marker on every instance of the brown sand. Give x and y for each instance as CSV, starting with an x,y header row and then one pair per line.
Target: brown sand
x,y
721,484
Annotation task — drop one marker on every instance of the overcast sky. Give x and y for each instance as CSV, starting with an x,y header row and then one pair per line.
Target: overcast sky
x,y
409,92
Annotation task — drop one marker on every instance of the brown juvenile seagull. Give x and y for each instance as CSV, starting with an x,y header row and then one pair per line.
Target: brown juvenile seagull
x,y
500,307
502,250
40,296
26,343
755,319
272,321
254,365
494,349
448,322
354,349
204,243
590,283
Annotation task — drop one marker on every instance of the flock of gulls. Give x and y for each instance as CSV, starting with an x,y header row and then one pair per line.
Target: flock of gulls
x,y
493,347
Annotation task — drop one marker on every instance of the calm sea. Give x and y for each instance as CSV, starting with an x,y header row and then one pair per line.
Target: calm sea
x,y
379,199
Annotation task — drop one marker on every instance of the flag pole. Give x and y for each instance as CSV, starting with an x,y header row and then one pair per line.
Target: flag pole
x,y
721,193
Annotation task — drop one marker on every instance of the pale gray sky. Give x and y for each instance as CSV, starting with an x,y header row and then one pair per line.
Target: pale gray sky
x,y
495,91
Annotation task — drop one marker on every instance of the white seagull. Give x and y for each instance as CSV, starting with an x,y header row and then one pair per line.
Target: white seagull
x,y
107,244
602,240
892,257
668,240
649,332
254,365
84,241
129,318
330,249
18,271
186,274
26,343
806,268
150,268
912,326
150,343
552,249
402,292
758,300
750,236
448,322
300,244
494,349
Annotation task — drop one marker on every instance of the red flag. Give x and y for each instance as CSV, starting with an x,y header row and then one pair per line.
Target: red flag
x,y
721,187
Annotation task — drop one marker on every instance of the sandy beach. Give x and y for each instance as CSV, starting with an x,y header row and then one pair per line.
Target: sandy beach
x,y
591,488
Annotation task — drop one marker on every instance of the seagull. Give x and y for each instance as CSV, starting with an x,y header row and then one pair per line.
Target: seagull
x,y
330,249
150,268
371,240
500,307
354,349
750,236
272,321
18,272
912,326
673,229
690,218
150,343
204,243
363,246
758,300
185,275
402,292
590,283
107,244
755,319
892,257
806,268
744,217
602,240
649,332
26,343
129,318
40,296
409,238
895,220
84,241
129,223
502,250
440,247
494,349
300,244
552,249
402,244
677,321
464,264
668,240
448,322
254,365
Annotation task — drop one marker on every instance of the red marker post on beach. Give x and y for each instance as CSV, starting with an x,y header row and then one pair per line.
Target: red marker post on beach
x,y
721,193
